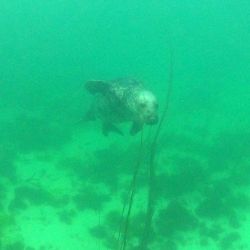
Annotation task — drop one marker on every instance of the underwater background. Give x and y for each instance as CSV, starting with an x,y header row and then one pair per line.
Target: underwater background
x,y
63,185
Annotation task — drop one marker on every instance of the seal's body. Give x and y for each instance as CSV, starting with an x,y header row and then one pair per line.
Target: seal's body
x,y
119,101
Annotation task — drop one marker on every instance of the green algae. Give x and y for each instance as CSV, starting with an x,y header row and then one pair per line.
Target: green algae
x,y
90,198
26,196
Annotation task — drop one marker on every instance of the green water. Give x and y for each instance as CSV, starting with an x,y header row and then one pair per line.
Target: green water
x,y
63,184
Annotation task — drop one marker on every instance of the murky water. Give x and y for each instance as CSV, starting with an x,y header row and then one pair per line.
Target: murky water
x,y
64,185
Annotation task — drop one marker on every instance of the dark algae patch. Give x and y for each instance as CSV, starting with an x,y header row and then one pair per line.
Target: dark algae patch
x,y
175,220
26,196
222,202
187,179
99,232
105,166
198,203
15,246
107,230
90,198
67,216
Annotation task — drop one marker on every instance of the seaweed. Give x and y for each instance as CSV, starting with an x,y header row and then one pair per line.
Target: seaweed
x,y
222,202
176,219
89,198
106,231
35,195
147,229
94,169
66,216
105,166
131,196
110,164
152,168
112,219
99,232
189,177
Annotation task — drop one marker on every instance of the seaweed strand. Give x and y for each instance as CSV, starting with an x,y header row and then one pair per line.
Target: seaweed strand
x,y
131,198
151,191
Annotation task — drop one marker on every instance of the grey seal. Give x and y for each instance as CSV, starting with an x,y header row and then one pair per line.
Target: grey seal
x,y
120,101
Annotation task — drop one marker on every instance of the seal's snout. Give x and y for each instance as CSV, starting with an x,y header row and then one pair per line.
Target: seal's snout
x,y
152,120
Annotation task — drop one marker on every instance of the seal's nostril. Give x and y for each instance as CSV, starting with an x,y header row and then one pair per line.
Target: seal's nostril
x,y
152,120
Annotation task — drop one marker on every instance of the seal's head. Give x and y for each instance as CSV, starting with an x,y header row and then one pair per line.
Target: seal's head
x,y
147,107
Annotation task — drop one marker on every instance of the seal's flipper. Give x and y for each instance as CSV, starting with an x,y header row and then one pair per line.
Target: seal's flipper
x,y
136,127
109,127
97,87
